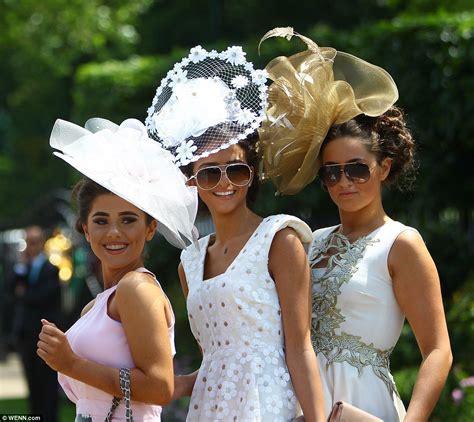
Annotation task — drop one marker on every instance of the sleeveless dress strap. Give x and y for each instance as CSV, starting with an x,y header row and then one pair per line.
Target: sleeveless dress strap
x,y
275,223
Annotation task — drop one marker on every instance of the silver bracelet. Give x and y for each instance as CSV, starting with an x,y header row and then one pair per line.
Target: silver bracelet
x,y
125,386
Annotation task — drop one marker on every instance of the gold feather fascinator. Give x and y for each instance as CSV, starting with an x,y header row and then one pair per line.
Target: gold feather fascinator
x,y
310,92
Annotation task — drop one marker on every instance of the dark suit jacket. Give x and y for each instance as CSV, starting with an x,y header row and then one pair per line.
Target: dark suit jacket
x,y
41,299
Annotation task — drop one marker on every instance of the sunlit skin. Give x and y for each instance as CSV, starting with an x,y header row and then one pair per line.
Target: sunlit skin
x,y
414,276
235,223
233,220
117,232
360,205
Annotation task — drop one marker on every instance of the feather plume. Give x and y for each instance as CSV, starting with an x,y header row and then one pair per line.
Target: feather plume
x,y
284,32
288,32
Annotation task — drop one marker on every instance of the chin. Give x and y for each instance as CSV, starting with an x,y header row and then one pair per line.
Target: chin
x,y
118,262
227,207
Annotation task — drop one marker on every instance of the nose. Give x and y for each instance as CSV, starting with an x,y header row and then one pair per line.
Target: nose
x,y
113,231
224,181
345,181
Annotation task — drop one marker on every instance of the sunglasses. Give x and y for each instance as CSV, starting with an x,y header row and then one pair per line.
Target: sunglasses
x,y
331,174
239,174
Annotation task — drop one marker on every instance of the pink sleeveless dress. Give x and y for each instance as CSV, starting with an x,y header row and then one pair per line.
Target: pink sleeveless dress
x,y
101,339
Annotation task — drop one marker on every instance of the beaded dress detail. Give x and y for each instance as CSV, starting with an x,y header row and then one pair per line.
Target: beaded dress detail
x,y
356,318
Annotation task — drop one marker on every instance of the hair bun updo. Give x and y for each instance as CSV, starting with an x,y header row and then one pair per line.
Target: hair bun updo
x,y
396,142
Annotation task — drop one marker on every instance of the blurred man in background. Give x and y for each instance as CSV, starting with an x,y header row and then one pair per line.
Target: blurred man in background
x,y
37,295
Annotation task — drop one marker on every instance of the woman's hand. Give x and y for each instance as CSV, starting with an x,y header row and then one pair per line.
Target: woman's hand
x,y
54,348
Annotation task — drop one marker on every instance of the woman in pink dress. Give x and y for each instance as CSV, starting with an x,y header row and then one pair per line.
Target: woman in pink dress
x,y
123,345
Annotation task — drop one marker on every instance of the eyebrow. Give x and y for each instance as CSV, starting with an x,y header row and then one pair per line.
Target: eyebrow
x,y
352,160
105,214
204,165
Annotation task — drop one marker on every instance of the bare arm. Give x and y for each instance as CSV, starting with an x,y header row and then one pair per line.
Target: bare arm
x,y
142,308
289,267
184,384
417,289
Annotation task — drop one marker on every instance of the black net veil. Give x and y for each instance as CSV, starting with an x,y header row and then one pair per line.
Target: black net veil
x,y
206,103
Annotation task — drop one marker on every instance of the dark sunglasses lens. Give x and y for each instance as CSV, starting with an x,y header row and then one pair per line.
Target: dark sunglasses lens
x,y
357,172
330,175
208,178
238,174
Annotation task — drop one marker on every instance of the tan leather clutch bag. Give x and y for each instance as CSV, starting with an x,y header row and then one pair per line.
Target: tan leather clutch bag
x,y
345,412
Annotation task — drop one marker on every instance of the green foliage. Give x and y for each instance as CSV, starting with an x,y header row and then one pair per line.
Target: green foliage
x,y
77,59
460,317
119,89
41,45
406,359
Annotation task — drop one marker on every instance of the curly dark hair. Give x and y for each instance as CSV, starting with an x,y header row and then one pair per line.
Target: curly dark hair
x,y
386,136
83,195
249,145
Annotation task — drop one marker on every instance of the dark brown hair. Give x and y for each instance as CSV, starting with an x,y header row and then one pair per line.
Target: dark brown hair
x,y
386,136
83,195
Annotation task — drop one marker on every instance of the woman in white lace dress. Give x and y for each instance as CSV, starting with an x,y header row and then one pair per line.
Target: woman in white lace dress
x,y
247,292
248,284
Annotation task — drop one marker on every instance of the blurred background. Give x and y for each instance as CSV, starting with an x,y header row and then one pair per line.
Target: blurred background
x,y
76,59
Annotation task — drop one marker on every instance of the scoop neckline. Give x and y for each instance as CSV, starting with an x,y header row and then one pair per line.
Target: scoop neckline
x,y
335,231
203,258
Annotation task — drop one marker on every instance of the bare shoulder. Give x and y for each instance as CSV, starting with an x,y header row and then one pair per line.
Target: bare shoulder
x,y
284,238
409,243
88,307
409,252
136,283
286,247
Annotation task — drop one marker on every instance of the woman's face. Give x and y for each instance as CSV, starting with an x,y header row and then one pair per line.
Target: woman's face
x,y
348,195
117,231
225,197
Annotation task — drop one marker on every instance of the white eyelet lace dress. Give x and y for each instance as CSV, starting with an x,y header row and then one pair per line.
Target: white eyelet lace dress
x,y
356,319
236,319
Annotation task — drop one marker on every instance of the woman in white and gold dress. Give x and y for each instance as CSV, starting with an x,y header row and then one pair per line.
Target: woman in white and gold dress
x,y
369,272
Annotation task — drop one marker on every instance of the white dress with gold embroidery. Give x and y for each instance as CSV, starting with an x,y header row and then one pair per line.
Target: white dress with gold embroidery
x,y
356,319
236,319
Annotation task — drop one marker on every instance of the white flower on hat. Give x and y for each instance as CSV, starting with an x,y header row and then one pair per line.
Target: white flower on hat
x,y
178,77
260,76
184,152
196,105
245,117
239,81
197,54
204,106
235,55
232,106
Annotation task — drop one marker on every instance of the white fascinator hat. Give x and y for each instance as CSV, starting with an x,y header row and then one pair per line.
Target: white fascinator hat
x,y
209,101
125,161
